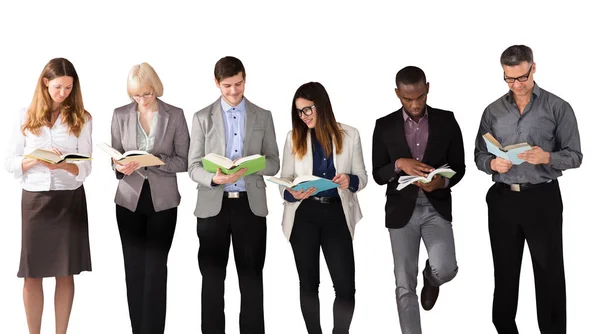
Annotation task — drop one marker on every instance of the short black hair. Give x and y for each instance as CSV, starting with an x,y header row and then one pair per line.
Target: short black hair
x,y
410,75
228,67
516,54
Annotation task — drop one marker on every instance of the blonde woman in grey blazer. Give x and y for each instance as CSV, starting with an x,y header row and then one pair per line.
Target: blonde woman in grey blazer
x,y
147,198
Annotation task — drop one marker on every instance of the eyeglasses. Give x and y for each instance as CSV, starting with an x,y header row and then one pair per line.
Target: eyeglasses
x,y
143,96
522,78
307,111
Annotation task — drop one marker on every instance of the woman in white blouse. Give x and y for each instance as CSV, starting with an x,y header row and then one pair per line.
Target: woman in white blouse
x,y
147,197
318,145
55,240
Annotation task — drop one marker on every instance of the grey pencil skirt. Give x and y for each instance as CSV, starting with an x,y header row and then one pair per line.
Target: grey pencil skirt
x,y
54,239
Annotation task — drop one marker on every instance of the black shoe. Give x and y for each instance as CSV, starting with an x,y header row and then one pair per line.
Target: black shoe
x,y
429,293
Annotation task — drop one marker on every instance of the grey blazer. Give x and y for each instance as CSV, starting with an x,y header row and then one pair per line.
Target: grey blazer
x,y
171,145
208,136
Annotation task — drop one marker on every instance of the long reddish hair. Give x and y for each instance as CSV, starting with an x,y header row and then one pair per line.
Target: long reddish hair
x,y
71,109
326,129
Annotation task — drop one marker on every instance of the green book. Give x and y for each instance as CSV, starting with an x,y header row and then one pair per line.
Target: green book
x,y
253,163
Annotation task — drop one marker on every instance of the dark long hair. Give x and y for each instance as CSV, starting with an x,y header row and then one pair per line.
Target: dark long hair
x,y
326,129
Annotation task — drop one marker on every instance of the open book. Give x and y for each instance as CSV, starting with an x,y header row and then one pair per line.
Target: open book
x,y
253,163
142,157
304,182
53,158
444,171
508,152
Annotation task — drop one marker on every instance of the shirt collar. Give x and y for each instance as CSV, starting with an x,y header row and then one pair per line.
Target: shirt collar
x,y
535,92
406,117
227,107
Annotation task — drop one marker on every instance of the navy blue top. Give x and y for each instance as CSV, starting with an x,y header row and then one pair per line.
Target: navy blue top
x,y
323,167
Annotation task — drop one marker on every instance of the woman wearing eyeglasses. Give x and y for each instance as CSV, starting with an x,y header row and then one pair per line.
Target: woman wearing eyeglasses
x,y
54,239
147,197
320,146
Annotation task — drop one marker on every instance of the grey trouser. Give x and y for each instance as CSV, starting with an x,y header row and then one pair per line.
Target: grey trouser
x,y
437,235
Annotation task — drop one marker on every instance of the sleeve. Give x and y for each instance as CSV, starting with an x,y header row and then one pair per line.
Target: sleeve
x,y
288,171
359,178
178,162
84,146
384,170
482,157
567,139
456,155
13,161
270,149
116,142
196,170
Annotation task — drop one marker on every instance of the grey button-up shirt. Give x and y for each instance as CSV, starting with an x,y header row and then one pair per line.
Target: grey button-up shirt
x,y
547,121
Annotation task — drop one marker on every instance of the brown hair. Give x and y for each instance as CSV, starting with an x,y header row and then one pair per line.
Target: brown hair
x,y
326,129
228,67
71,109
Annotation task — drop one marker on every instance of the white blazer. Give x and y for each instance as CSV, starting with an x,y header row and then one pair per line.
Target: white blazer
x,y
350,161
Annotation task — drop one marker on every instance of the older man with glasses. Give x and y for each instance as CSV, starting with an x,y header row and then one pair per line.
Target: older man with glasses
x,y
529,187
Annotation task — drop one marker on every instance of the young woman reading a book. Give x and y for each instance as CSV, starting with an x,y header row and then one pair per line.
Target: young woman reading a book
x,y
55,240
147,197
318,145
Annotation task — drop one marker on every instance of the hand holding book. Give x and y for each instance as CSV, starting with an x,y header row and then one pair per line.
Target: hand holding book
x,y
444,171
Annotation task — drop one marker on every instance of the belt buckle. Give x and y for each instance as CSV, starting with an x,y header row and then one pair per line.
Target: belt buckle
x,y
233,194
515,187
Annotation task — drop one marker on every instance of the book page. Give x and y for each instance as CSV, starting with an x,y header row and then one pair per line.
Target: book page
x,y
134,152
219,160
110,151
280,181
303,178
45,155
248,158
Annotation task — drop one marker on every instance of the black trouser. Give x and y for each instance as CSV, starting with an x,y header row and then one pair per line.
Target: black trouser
x,y
534,215
319,225
146,237
237,223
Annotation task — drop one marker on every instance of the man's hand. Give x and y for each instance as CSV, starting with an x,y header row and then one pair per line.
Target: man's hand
x,y
500,165
436,182
127,168
221,178
343,180
413,167
302,194
535,156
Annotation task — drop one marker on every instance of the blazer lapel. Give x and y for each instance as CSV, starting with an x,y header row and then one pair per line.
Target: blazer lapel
x,y
161,123
130,142
219,128
400,136
250,120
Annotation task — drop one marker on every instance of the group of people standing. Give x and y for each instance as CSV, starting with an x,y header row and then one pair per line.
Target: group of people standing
x,y
232,208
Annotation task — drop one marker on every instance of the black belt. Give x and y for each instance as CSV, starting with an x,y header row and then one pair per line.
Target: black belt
x,y
326,200
522,186
235,194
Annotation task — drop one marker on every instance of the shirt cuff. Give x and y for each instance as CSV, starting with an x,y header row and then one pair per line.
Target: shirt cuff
x,y
288,197
353,184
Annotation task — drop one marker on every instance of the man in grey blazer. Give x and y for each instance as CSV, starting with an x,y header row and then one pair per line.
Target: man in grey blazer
x,y
232,207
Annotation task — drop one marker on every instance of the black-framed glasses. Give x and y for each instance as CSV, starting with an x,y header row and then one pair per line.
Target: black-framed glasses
x,y
522,78
307,111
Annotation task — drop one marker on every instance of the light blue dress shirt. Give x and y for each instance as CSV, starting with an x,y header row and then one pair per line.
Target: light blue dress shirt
x,y
234,119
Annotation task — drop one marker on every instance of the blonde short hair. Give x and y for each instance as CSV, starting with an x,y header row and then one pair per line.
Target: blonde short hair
x,y
142,75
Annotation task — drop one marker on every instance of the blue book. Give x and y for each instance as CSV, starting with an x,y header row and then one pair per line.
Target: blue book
x,y
509,152
304,182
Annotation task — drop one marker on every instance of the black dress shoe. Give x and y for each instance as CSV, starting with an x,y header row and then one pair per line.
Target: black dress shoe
x,y
429,293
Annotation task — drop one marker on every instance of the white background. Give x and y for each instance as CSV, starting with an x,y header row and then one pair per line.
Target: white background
x,y
354,50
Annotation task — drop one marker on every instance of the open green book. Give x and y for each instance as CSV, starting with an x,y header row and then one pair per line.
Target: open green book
x,y
253,163
53,158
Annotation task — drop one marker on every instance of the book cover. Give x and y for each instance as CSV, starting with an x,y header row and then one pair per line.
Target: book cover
x,y
304,182
509,152
142,157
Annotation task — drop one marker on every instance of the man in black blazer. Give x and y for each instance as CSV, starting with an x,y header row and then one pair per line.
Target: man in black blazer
x,y
414,141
